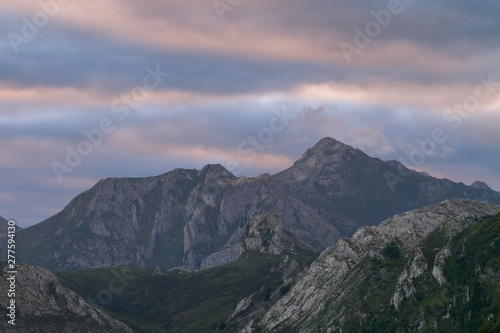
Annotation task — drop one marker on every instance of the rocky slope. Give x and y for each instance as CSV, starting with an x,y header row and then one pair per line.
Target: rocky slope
x,y
195,218
44,305
355,283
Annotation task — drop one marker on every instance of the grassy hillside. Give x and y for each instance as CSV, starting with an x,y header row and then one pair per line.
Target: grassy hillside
x,y
178,301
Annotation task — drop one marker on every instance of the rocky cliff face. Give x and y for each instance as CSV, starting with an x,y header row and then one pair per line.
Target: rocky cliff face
x,y
264,233
44,305
174,220
340,288
196,218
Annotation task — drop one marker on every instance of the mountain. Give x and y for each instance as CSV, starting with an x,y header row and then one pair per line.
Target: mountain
x,y
44,305
174,220
353,189
431,269
195,218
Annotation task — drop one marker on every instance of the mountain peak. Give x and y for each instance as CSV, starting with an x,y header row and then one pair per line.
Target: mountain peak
x,y
481,185
327,141
327,153
328,144
327,147
216,170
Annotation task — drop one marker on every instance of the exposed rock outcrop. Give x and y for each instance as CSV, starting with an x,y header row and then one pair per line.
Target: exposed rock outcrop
x,y
44,305
328,291
264,233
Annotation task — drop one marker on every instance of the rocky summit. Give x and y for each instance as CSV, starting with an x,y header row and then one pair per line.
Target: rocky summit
x,y
195,218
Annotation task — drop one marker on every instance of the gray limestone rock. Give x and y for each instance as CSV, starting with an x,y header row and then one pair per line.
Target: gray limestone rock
x,y
330,281
44,305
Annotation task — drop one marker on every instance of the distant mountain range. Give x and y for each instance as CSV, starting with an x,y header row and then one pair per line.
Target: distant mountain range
x,y
197,218
339,242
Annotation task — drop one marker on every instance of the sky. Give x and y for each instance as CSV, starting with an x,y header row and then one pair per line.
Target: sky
x,y
120,88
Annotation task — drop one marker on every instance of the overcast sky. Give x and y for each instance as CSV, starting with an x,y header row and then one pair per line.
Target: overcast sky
x,y
119,88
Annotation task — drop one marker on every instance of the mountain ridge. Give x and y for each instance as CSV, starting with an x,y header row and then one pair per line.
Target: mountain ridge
x,y
180,218
185,215
325,296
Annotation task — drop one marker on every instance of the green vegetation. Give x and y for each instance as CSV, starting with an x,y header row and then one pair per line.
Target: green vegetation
x,y
178,301
391,250
474,275
468,302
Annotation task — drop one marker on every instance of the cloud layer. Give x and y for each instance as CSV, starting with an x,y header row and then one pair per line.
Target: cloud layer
x,y
397,79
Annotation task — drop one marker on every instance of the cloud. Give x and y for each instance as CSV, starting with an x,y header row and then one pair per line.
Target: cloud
x,y
226,79
270,47
349,129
